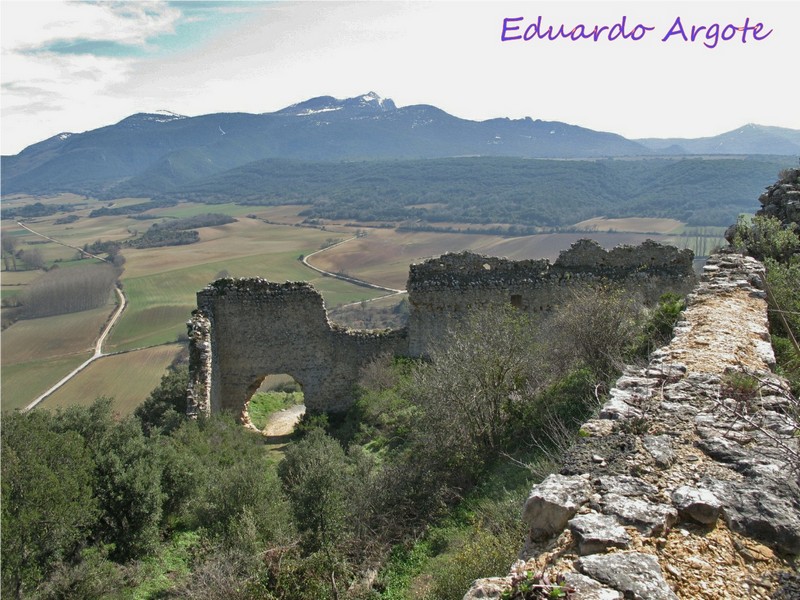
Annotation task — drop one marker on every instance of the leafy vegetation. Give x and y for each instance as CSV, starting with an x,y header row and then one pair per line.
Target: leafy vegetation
x,y
394,482
156,237
778,246
130,209
37,209
179,231
263,404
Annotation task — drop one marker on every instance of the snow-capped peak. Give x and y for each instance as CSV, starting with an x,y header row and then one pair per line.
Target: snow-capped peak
x,y
169,113
372,97
371,102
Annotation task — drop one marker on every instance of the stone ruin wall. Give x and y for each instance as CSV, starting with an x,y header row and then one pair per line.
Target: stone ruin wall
x,y
442,290
244,329
676,489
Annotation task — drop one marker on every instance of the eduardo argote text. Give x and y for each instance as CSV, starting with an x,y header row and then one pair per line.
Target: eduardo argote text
x,y
710,35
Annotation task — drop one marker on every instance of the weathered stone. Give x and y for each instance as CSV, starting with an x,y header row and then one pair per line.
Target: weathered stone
x,y
697,504
720,448
586,588
552,503
256,328
660,448
638,576
488,588
620,405
780,199
765,509
624,485
597,427
648,517
597,533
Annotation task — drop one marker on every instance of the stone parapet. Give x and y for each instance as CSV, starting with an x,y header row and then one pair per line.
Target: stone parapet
x,y
443,290
685,485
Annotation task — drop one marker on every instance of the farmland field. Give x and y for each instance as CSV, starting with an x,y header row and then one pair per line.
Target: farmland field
x,y
53,337
23,382
383,255
127,378
161,283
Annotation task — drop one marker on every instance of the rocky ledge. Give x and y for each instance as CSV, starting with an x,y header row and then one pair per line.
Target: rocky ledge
x,y
686,484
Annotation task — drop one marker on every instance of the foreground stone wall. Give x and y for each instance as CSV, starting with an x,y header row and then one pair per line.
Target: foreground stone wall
x,y
245,329
684,485
444,289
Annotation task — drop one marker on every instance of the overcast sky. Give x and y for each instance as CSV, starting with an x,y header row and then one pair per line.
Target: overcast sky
x,y
75,66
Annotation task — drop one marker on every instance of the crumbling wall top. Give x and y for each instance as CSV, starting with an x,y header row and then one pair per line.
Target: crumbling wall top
x,y
588,255
467,269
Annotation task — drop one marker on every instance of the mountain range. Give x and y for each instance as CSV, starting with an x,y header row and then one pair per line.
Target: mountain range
x,y
148,154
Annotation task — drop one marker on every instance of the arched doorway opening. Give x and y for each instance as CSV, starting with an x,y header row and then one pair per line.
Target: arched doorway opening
x,y
275,405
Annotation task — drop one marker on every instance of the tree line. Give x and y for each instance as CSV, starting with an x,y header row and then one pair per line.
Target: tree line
x,y
67,290
524,192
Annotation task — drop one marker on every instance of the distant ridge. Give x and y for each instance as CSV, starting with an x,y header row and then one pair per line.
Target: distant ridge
x,y
168,150
748,139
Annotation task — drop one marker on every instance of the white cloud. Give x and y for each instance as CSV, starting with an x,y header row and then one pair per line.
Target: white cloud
x,y
29,25
444,53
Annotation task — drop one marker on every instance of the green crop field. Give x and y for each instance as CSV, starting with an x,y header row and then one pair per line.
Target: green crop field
x,y
23,382
160,304
53,337
127,378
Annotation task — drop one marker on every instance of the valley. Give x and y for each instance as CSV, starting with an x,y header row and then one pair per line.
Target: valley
x,y
264,241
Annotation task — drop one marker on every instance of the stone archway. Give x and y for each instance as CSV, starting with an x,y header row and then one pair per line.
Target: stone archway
x,y
244,328
275,394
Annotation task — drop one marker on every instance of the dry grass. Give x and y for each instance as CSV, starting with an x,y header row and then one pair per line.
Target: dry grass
x,y
631,224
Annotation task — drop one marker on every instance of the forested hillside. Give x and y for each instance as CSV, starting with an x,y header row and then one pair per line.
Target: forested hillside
x,y
544,193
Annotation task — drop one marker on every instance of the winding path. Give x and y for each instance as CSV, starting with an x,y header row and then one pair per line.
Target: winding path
x,y
353,280
98,351
98,347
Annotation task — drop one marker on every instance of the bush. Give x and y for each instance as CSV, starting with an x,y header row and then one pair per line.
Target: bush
x,y
315,478
165,407
48,505
596,328
766,237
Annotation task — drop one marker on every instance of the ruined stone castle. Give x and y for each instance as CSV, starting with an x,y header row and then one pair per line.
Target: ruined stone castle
x,y
246,329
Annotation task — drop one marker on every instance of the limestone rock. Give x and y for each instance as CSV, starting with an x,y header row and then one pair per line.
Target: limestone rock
x,y
488,588
697,504
597,533
587,588
660,448
764,509
625,485
638,576
552,503
649,518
